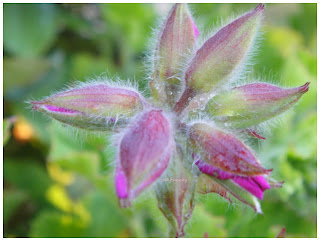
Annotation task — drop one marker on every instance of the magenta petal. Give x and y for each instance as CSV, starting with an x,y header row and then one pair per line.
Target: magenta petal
x,y
195,29
60,109
212,171
121,183
262,182
252,185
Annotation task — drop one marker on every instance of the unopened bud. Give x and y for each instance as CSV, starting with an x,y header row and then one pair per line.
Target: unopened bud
x,y
176,40
223,53
251,104
175,194
144,154
92,107
207,185
223,151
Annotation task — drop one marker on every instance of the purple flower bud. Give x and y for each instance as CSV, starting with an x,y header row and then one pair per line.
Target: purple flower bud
x,y
144,154
223,151
251,104
223,53
176,39
92,107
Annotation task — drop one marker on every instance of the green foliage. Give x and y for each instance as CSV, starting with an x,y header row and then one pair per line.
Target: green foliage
x,y
59,182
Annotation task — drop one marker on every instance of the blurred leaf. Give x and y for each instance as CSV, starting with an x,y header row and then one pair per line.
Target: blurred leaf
x,y
12,199
29,29
132,20
106,220
202,222
28,176
305,20
86,66
7,123
54,224
84,163
20,73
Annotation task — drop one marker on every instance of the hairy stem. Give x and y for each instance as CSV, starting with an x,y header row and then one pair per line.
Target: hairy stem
x,y
184,100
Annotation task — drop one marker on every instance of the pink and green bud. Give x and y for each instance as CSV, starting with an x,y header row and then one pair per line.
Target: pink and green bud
x,y
224,151
251,104
254,185
223,54
92,107
239,193
175,194
144,154
176,40
206,184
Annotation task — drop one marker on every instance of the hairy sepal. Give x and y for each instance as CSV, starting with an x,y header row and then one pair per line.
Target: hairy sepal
x,y
223,54
252,104
176,40
97,106
175,194
223,150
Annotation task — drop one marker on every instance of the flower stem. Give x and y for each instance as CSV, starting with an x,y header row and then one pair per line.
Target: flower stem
x,y
184,100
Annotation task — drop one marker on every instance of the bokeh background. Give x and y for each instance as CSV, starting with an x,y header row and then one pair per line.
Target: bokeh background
x,y
59,183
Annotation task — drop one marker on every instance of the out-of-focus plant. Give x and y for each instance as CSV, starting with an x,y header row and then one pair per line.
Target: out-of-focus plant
x,y
190,135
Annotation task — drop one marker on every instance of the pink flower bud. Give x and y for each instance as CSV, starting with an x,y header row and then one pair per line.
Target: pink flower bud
x,y
176,40
223,151
251,104
223,53
92,107
144,154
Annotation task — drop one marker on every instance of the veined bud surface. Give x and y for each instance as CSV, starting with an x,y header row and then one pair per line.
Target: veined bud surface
x,y
223,151
223,53
251,104
176,39
144,154
206,185
92,107
175,194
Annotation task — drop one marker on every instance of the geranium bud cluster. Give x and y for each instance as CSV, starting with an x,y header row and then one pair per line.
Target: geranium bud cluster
x,y
184,140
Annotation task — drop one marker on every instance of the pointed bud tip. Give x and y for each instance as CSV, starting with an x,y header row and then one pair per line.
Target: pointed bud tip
x,y
260,8
304,88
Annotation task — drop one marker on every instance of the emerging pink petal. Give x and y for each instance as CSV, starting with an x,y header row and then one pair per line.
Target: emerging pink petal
x,y
255,185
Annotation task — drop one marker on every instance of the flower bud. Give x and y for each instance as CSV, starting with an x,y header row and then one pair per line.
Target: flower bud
x,y
240,193
175,194
223,53
92,107
207,185
223,151
176,39
251,104
144,154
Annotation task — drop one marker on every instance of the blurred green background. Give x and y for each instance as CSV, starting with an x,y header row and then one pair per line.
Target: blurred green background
x,y
59,183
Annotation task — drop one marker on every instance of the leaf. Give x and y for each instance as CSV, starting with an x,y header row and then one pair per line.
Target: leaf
x,y
29,29
12,199
55,224
21,73
202,221
106,219
7,123
29,176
